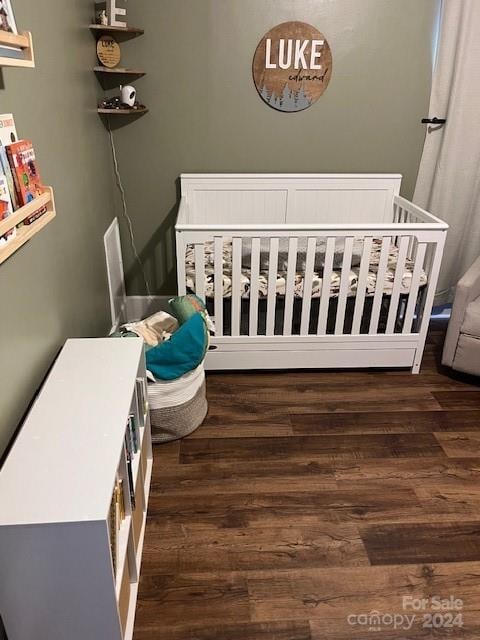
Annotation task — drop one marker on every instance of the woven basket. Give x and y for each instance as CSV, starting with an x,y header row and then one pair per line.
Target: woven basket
x,y
172,423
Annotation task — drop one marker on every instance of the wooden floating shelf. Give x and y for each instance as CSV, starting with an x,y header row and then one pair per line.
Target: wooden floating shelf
x,y
123,33
22,41
25,233
108,77
120,71
121,112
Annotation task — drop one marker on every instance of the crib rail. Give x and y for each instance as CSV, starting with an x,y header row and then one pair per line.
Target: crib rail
x,y
302,282
394,290
404,212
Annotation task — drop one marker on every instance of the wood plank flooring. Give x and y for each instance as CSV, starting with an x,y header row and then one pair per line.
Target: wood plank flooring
x,y
310,499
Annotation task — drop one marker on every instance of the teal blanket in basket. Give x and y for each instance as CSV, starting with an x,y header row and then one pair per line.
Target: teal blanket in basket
x,y
183,352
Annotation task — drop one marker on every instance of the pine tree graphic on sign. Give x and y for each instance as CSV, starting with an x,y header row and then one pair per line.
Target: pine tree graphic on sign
x,y
302,101
274,101
288,99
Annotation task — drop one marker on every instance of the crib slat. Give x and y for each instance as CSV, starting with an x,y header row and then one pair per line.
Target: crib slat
x,y
200,271
377,299
344,285
326,283
272,286
397,283
307,286
236,284
361,285
181,268
411,247
254,277
218,248
412,296
290,286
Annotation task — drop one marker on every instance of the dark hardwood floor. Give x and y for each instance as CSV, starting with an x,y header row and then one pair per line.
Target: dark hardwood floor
x,y
309,501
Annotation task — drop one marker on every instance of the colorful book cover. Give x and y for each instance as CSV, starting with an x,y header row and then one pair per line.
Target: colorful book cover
x,y
28,182
8,131
7,171
8,23
6,209
7,18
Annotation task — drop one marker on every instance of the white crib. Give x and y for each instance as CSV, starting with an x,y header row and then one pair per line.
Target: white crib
x,y
320,311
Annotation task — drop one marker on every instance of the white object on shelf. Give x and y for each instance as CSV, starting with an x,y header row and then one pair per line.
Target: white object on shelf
x,y
113,12
129,95
55,561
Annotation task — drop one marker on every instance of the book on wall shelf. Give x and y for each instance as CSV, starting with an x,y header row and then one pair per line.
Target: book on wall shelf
x,y
8,25
8,130
7,18
18,164
6,170
26,176
16,49
23,196
8,196
6,209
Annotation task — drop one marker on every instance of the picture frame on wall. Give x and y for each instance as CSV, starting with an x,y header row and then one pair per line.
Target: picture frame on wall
x,y
7,17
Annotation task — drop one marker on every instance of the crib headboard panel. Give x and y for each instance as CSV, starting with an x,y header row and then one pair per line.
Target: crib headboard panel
x,y
289,198
238,203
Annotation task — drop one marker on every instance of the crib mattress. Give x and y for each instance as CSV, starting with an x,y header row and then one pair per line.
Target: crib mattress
x,y
317,280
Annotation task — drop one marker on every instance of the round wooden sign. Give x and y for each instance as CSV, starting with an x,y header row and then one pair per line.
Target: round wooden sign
x,y
292,66
108,51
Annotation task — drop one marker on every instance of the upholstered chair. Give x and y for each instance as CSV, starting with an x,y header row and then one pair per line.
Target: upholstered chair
x,y
462,344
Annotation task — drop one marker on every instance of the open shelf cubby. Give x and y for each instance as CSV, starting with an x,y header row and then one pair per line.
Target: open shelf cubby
x,y
26,232
22,41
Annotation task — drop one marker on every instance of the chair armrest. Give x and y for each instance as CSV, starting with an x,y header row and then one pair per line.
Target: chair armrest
x,y
468,288
470,282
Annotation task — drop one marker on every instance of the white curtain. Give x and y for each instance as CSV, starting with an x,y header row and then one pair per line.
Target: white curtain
x,y
448,183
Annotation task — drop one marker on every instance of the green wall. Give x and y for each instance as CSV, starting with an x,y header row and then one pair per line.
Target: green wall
x,y
206,114
55,286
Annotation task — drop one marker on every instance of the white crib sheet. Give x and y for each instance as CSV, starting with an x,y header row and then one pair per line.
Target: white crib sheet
x,y
300,271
